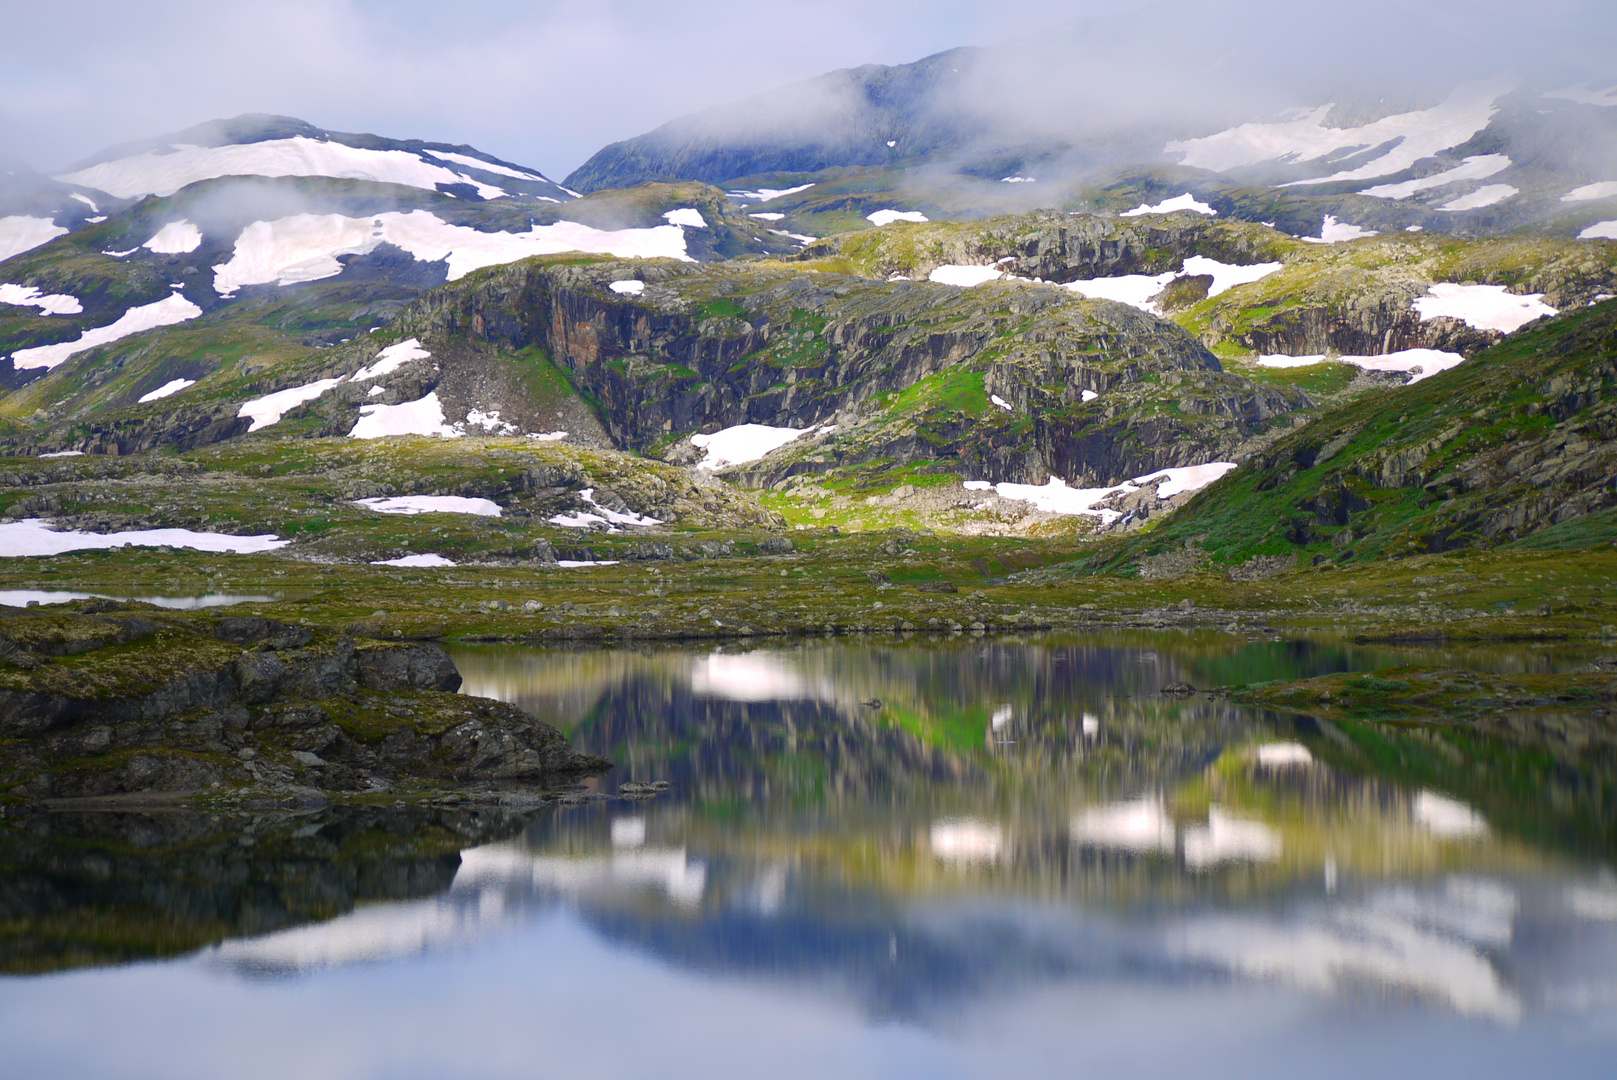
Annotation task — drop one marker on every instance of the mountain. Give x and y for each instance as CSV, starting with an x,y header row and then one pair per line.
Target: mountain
x,y
340,229
961,134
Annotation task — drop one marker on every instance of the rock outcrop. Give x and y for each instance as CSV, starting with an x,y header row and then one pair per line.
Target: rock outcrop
x,y
107,698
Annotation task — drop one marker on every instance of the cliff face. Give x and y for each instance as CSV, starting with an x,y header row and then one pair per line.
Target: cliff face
x,y
904,370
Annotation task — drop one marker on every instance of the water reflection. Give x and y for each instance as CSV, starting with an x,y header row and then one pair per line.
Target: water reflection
x,y
27,597
922,849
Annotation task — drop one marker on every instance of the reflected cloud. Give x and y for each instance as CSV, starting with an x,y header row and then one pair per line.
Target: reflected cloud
x,y
1391,942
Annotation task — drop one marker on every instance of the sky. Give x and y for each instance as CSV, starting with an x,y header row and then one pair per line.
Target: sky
x,y
545,83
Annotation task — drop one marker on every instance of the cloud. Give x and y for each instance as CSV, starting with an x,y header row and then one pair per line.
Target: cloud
x,y
545,83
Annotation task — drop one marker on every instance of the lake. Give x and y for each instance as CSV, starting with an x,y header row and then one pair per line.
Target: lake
x,y
948,857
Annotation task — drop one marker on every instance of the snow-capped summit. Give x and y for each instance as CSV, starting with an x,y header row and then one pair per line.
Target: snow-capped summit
x,y
280,146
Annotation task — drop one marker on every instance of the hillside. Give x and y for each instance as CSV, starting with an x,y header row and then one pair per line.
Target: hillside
x,y
1516,447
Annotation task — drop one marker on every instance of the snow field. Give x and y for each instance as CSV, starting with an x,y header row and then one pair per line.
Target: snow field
x,y
47,303
1305,137
305,247
887,217
628,288
1187,201
431,504
1486,307
424,416
175,238
1476,167
20,233
1600,230
172,309
1606,189
165,390
601,516
164,173
1487,195
34,536
742,443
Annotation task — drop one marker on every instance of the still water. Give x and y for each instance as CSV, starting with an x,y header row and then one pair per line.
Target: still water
x,y
874,859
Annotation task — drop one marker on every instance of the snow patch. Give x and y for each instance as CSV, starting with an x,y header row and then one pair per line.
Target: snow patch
x,y
965,276
167,171
1018,180
628,288
1606,189
1225,275
166,390
1135,290
686,215
391,359
172,309
1087,395
1486,307
1055,497
489,421
431,504
63,453
1000,402
485,166
305,247
1187,201
87,201
574,564
770,194
1476,167
887,217
1171,482
20,233
424,416
1583,96
601,516
1421,363
415,560
34,536
269,409
742,443
767,217
175,238
1412,135
1332,231
47,303
1600,230
1487,195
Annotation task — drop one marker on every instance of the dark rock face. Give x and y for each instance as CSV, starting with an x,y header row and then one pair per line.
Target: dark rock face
x,y
300,708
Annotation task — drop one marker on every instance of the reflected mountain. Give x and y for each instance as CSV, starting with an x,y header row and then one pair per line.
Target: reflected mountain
x,y
915,829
